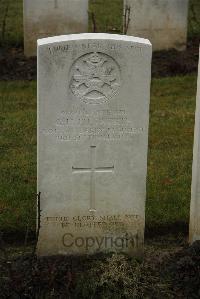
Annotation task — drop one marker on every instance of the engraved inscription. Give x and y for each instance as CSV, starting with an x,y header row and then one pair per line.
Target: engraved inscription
x,y
60,50
95,78
77,125
96,221
92,170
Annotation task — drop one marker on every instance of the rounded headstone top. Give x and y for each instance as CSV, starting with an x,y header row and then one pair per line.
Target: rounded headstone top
x,y
92,36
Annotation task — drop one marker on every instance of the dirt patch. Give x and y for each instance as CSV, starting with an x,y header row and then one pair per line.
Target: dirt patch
x,y
184,271
98,277
172,62
15,66
156,230
170,269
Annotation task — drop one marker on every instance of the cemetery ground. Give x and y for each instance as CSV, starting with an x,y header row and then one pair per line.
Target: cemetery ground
x,y
170,269
104,16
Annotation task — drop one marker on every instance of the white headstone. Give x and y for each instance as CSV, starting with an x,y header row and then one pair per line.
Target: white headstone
x,y
163,22
93,114
195,192
45,18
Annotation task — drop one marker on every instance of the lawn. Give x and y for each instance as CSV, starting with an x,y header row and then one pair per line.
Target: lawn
x,y
170,151
108,16
11,22
18,155
169,163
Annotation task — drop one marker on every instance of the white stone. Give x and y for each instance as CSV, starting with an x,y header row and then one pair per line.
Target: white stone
x,y
163,22
195,192
45,18
93,115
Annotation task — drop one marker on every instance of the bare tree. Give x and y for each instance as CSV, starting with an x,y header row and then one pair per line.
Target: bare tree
x,y
194,20
38,223
94,23
4,20
127,14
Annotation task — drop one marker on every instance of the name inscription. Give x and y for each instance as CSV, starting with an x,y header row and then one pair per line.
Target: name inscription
x,y
102,124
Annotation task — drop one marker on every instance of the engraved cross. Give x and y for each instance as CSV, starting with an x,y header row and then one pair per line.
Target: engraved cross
x,y
92,170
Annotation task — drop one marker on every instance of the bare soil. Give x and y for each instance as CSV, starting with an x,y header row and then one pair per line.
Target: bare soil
x,y
15,66
170,269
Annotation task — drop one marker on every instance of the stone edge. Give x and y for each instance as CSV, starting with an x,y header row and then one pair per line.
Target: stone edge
x,y
92,36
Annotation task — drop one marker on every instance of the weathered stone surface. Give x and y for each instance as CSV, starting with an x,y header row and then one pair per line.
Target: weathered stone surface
x,y
93,114
45,18
195,192
163,22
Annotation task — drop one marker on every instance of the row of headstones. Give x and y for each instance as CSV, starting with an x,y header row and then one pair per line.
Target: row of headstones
x,y
163,22
93,115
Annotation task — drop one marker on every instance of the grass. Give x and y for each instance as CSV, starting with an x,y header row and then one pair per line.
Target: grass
x,y
13,35
18,155
170,153
108,15
193,19
170,150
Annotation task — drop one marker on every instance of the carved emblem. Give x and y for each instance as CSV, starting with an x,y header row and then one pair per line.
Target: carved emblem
x,y
95,78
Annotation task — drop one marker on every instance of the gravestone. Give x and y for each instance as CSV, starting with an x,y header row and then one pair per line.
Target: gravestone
x,y
163,22
93,114
44,18
195,192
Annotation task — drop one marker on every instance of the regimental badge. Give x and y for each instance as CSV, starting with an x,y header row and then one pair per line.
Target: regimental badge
x,y
95,78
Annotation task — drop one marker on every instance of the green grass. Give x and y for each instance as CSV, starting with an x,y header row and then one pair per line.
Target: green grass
x,y
170,152
14,22
194,19
108,15
18,154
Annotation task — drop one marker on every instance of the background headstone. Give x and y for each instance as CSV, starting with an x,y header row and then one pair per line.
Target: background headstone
x,y
44,18
195,192
163,22
93,114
